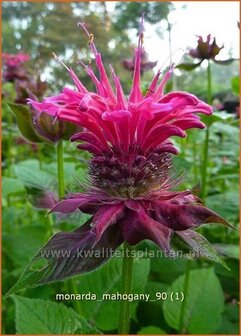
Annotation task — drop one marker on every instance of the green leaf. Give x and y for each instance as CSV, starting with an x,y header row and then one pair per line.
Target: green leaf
x,y
24,121
153,287
180,164
228,250
173,268
188,66
23,243
236,85
107,280
11,186
226,62
200,245
29,173
225,129
230,320
204,303
151,330
216,117
225,204
35,316
69,172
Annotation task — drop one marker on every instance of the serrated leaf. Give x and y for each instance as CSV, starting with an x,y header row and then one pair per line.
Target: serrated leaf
x,y
204,303
188,66
35,316
24,121
200,245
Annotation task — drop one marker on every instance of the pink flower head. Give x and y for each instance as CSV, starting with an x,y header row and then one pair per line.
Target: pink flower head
x,y
129,197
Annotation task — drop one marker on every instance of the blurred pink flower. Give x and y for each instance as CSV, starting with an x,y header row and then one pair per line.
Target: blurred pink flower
x,y
129,64
12,65
14,60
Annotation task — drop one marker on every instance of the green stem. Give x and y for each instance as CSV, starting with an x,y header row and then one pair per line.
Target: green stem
x,y
206,142
195,168
40,156
73,289
209,77
182,326
10,145
205,163
125,305
60,162
50,224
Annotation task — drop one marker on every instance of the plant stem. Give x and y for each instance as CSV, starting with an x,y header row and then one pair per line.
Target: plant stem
x,y
10,145
185,291
40,156
204,165
209,77
60,162
50,224
195,168
125,305
206,143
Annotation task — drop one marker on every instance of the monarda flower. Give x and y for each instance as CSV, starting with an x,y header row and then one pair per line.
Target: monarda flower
x,y
34,127
206,49
129,64
130,196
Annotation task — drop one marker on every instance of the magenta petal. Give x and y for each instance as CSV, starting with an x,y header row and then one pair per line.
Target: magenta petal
x,y
186,123
133,205
90,148
107,215
116,115
179,98
83,202
88,137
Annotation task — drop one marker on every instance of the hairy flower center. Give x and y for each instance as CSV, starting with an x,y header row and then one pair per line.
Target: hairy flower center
x,y
130,174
